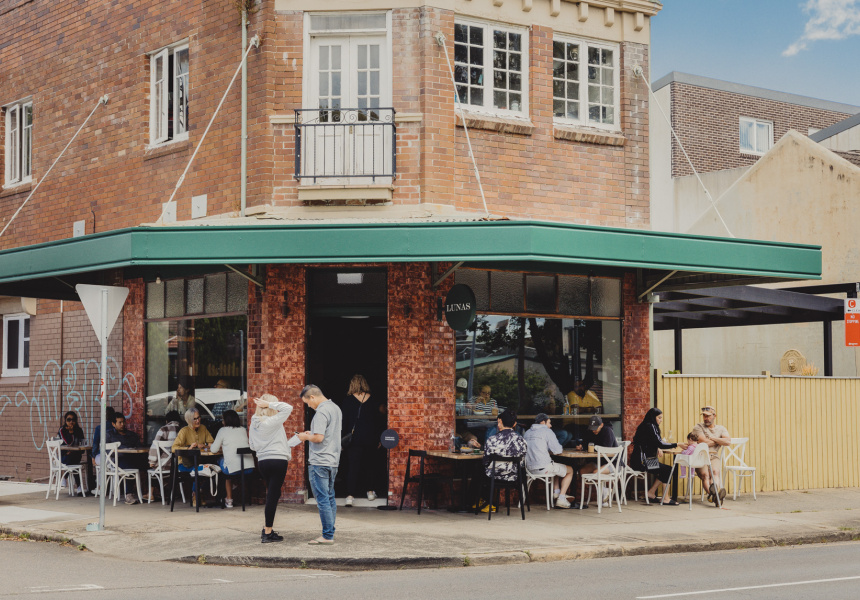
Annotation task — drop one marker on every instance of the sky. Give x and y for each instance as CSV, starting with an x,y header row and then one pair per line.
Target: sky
x,y
806,47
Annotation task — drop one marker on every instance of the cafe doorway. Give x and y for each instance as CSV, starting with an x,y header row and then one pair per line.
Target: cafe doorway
x,y
348,335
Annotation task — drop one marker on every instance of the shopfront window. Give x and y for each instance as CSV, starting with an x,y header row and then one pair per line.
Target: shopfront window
x,y
193,359
565,365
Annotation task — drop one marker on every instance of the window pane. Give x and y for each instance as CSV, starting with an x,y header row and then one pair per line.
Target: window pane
x,y
175,305
506,292
746,135
514,41
606,297
194,300
540,293
500,99
13,341
460,74
27,142
573,295
26,362
476,36
476,55
26,328
181,91
362,56
499,39
460,34
216,293
347,22
479,281
154,300
558,49
237,293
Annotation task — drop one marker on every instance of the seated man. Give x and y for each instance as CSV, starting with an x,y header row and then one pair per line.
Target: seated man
x,y
506,442
126,439
715,436
541,443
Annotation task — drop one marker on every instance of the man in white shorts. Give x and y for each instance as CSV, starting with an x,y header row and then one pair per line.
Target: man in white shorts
x,y
542,443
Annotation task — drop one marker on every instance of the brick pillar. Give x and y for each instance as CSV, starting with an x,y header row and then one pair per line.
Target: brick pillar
x,y
637,392
634,123
276,355
133,352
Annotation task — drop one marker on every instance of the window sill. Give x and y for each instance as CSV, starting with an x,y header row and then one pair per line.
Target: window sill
x,y
16,188
166,148
14,380
346,195
588,136
495,123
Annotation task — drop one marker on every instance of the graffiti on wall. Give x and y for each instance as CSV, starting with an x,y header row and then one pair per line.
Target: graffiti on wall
x,y
76,386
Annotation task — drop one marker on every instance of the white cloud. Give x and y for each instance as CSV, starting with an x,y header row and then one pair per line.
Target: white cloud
x,y
828,20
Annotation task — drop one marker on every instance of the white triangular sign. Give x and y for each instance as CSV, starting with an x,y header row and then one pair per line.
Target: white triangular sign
x,y
91,296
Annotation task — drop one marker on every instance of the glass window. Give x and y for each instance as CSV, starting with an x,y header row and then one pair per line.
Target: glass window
x,y
585,82
336,287
16,345
756,135
19,143
169,95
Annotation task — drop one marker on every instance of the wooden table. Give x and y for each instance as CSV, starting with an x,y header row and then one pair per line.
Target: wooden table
x,y
88,450
468,464
195,454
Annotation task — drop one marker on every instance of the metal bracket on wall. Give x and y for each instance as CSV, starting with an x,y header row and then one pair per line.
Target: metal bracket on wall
x,y
445,275
253,279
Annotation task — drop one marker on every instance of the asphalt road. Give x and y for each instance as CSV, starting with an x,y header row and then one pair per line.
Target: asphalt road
x,y
832,571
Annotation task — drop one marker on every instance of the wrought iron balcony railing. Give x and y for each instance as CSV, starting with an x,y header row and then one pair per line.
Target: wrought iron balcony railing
x,y
345,143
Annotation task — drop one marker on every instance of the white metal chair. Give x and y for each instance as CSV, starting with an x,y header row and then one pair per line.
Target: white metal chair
x,y
547,479
628,474
114,474
162,468
58,471
700,458
609,473
736,451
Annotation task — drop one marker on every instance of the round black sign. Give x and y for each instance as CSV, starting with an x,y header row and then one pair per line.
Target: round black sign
x,y
389,439
460,307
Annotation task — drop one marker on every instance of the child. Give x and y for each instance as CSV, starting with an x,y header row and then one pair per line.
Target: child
x,y
692,440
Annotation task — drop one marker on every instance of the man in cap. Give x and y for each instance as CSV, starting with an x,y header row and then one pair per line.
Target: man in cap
x,y
542,442
715,436
599,435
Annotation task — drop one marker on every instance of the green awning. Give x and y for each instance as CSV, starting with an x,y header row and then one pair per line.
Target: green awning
x,y
689,259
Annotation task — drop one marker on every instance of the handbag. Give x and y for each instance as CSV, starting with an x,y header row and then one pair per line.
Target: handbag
x,y
651,463
346,440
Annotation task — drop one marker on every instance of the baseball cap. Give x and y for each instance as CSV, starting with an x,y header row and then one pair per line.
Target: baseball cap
x,y
595,423
710,410
541,417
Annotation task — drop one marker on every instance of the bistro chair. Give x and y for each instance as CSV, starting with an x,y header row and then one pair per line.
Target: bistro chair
x,y
162,468
422,478
60,471
496,485
735,451
114,474
608,476
699,459
547,480
629,474
245,454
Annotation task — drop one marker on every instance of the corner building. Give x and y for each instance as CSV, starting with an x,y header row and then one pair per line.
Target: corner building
x,y
366,133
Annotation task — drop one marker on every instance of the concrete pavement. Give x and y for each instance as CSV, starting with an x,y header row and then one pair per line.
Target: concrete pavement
x,y
367,538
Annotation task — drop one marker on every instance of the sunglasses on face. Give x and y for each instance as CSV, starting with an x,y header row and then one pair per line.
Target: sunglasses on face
x,y
71,420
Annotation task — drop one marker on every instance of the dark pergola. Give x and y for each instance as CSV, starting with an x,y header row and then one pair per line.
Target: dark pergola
x,y
739,306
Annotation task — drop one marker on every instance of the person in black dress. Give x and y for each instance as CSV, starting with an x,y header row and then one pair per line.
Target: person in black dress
x,y
360,424
648,444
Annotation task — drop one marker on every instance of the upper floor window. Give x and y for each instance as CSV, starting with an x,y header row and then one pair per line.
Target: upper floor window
x,y
19,142
16,346
168,102
585,83
756,135
491,66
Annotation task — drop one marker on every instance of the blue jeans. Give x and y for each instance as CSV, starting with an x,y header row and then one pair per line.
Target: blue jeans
x,y
322,485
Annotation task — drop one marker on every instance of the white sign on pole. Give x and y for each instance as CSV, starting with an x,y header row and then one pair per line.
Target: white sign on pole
x,y
91,296
852,306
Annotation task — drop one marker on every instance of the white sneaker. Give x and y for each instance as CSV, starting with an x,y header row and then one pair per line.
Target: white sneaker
x,y
555,493
371,495
228,504
562,503
349,500
130,499
78,491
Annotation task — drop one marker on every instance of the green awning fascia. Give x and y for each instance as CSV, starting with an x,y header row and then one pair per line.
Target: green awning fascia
x,y
484,241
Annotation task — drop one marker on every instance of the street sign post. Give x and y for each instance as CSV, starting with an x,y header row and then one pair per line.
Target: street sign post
x,y
852,322
103,304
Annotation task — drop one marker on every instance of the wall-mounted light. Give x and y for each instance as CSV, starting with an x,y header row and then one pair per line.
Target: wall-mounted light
x,y
158,279
350,278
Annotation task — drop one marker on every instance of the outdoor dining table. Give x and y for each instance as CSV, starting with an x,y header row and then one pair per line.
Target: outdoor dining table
x,y
88,450
192,453
467,464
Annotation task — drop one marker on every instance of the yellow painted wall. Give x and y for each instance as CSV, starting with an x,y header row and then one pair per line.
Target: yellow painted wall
x,y
802,430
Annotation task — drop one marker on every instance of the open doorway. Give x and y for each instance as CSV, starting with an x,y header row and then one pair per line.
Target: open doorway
x,y
344,339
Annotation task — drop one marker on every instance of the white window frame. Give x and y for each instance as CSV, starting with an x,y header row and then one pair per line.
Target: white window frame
x,y
755,126
18,167
161,88
21,371
487,107
583,97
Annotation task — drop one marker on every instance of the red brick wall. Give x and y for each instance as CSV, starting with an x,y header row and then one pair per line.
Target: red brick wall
x,y
134,355
636,361
707,121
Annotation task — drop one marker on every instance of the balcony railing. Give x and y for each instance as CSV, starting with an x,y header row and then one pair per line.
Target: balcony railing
x,y
345,143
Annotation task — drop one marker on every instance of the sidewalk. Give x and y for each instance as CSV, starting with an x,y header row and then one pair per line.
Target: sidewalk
x,y
373,539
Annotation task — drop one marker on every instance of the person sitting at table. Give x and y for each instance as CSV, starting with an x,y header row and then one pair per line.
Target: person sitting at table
x,y
648,446
506,442
194,435
184,398
71,434
542,442
228,440
599,435
127,439
715,436
97,435
483,403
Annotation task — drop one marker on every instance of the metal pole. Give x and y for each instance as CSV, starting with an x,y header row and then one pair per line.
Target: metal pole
x,y
828,349
472,361
679,349
244,167
103,405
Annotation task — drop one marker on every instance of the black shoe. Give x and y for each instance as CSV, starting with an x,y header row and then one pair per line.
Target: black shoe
x,y
265,538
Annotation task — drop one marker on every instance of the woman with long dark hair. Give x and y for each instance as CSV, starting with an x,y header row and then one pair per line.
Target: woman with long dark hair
x,y
648,446
229,439
269,440
71,434
360,419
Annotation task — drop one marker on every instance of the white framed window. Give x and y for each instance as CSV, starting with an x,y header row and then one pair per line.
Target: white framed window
x,y
756,136
16,345
491,66
585,83
19,143
168,100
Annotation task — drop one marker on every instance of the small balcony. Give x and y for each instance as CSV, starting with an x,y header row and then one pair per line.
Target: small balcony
x,y
345,145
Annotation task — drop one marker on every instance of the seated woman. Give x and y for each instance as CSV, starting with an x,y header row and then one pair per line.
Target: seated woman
x,y
648,446
193,435
71,435
230,438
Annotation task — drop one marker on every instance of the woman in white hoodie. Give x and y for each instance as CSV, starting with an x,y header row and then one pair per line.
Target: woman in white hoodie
x,y
269,440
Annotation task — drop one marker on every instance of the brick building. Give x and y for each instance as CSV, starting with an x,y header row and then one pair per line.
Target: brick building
x,y
362,209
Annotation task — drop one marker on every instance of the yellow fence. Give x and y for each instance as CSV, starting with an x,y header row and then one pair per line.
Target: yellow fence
x,y
803,430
